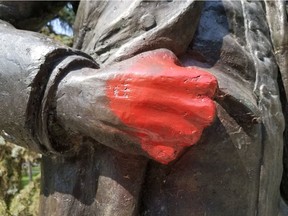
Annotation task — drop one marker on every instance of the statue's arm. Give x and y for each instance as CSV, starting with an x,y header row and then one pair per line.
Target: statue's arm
x,y
27,62
53,96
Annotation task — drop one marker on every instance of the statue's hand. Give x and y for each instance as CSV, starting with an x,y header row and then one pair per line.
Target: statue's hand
x,y
165,106
148,103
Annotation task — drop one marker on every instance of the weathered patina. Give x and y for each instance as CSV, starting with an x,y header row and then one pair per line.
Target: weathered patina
x,y
100,116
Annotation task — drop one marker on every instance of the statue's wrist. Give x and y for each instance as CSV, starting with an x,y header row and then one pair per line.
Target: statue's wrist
x,y
47,130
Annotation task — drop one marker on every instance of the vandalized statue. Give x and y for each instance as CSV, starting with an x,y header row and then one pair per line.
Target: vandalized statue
x,y
117,121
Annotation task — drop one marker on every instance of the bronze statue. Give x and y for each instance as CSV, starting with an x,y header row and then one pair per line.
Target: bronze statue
x,y
117,121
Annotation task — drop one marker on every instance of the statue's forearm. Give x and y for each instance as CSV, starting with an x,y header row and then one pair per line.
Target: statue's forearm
x,y
28,61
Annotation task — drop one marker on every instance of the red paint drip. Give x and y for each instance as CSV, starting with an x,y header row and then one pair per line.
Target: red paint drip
x,y
165,105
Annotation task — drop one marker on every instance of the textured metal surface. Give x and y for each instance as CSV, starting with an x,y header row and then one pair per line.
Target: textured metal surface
x,y
236,167
118,29
26,67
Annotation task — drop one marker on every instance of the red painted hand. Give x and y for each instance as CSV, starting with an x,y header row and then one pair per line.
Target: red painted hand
x,y
164,105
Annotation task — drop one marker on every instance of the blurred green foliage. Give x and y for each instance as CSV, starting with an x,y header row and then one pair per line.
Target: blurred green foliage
x,y
26,202
12,171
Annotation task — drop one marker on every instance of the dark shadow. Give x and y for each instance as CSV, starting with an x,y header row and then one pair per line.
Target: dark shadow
x,y
97,174
210,178
245,117
284,181
208,40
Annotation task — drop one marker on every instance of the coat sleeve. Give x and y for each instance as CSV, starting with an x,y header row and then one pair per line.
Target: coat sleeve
x,y
30,65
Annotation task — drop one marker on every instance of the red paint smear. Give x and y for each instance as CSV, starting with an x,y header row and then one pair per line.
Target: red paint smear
x,y
165,105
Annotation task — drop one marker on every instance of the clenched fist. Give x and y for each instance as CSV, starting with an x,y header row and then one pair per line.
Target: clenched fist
x,y
148,102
